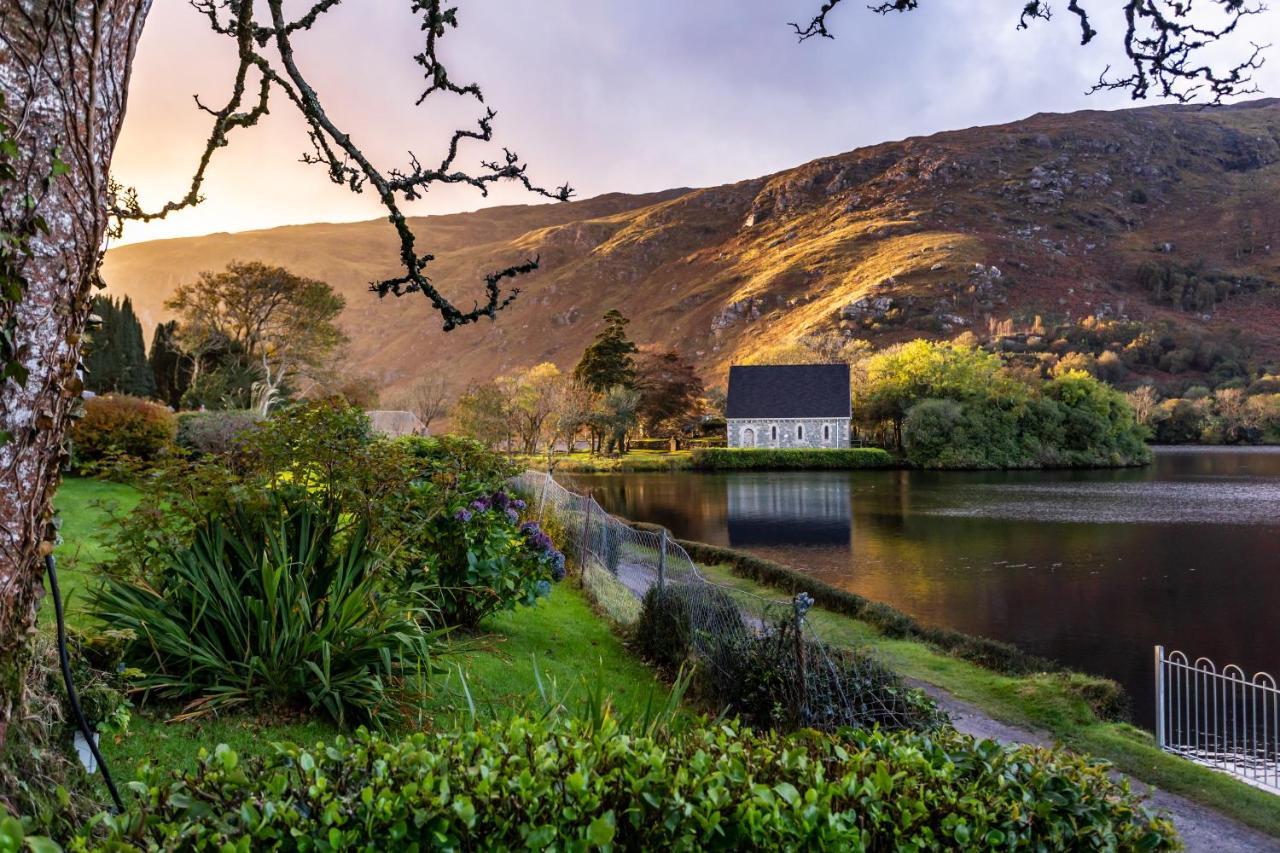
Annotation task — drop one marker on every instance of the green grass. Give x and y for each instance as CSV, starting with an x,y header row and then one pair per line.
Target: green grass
x,y
84,507
560,648
633,461
576,654
1044,702
575,650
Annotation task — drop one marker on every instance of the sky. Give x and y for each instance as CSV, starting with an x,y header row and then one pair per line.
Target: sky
x,y
607,95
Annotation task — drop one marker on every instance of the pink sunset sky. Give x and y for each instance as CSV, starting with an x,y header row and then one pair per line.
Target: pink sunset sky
x,y
605,94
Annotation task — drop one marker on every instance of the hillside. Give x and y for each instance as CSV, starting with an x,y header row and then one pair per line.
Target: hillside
x,y
1056,215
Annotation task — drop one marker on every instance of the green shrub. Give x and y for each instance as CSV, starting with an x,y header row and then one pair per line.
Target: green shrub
x,y
773,679
573,785
269,606
732,459
119,428
671,616
449,460
216,433
323,451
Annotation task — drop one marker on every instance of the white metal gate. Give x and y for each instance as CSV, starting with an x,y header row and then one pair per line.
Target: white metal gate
x,y
1219,718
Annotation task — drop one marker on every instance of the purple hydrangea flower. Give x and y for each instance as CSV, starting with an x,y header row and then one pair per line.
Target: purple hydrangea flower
x,y
557,567
501,500
519,504
512,515
463,515
480,504
529,528
543,588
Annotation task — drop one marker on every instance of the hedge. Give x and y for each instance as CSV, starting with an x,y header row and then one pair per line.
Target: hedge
x,y
1104,696
737,459
551,783
117,428
215,433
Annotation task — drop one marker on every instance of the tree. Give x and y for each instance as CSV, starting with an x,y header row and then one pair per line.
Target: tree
x,y
170,368
618,412
669,389
428,398
534,396
1145,403
115,358
893,381
483,412
608,360
279,324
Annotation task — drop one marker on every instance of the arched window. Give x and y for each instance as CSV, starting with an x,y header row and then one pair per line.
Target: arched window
x,y
748,437
826,432
799,432
773,433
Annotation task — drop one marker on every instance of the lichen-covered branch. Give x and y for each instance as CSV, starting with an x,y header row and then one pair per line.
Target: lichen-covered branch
x,y
1166,43
266,57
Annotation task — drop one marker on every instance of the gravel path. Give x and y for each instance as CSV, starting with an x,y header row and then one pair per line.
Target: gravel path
x,y
1201,827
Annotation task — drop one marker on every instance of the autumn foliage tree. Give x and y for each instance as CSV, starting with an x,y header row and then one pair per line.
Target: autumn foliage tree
x,y
278,325
670,389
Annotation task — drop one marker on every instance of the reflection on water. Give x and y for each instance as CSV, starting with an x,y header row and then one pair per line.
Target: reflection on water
x,y
1091,568
773,512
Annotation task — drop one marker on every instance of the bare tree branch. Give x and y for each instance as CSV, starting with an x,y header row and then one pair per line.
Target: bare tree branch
x,y
1164,40
336,150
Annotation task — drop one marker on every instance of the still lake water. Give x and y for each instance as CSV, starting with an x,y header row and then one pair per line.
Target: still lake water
x,y
1090,568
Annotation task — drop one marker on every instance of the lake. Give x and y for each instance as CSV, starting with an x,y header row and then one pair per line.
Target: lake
x,y
1089,568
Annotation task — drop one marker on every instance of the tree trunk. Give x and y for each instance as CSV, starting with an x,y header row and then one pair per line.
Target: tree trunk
x,y
64,73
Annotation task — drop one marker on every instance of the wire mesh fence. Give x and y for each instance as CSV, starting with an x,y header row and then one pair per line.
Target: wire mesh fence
x,y
749,644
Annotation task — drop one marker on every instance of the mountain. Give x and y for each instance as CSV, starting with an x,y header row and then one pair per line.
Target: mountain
x,y
1165,215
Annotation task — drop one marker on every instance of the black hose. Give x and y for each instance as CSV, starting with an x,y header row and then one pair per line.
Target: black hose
x,y
72,696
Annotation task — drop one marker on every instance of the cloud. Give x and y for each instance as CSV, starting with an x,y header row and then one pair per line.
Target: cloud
x,y
609,95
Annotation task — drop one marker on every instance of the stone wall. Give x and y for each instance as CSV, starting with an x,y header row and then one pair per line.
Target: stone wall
x,y
791,432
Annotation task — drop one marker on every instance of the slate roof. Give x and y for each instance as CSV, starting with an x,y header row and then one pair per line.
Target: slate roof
x,y
789,391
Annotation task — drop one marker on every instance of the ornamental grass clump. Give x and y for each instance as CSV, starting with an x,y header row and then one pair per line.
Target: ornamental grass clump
x,y
268,606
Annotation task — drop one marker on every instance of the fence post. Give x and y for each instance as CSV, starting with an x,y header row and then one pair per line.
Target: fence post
x,y
542,499
800,606
1160,734
662,560
584,552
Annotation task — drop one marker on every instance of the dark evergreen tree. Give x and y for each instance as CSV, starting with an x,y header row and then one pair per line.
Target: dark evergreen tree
x,y
138,379
608,362
115,357
170,367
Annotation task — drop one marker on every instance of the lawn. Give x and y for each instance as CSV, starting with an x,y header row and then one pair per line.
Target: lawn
x,y
587,463
84,507
560,644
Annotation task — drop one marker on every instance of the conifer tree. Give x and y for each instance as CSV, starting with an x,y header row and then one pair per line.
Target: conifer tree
x,y
608,361
138,380
170,368
115,357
